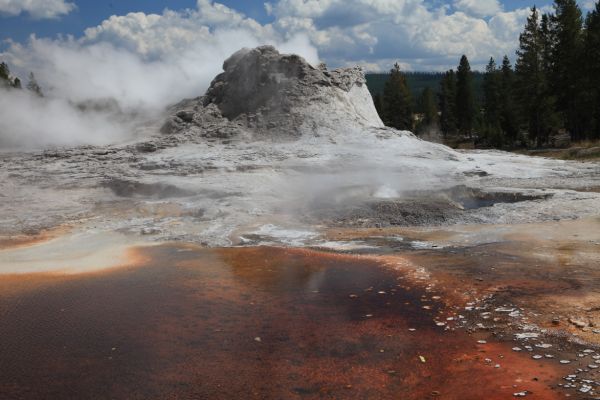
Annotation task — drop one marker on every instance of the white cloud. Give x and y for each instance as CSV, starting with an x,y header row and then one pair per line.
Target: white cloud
x,y
478,8
299,8
417,33
506,26
589,4
153,35
38,9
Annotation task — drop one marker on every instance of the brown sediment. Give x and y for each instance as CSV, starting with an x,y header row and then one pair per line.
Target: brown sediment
x,y
589,189
549,269
257,323
547,272
24,240
583,231
416,233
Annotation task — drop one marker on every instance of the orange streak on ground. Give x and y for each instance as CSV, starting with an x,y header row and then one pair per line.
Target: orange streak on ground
x,y
17,284
74,253
19,241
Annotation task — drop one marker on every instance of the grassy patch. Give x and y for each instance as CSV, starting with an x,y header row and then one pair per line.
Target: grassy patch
x,y
586,151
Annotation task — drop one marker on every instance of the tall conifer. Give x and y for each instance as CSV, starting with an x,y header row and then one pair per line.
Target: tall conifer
x,y
447,103
397,101
508,116
566,78
491,94
465,98
428,107
592,66
531,81
33,85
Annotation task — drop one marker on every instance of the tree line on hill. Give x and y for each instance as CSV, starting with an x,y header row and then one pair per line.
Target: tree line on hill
x,y
418,81
8,82
552,91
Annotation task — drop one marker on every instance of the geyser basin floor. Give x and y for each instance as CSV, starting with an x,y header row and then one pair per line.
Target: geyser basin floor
x,y
551,269
263,323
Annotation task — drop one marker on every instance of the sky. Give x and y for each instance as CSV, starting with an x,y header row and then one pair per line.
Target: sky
x,y
419,34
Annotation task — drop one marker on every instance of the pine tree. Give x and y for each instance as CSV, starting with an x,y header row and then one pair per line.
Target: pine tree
x,y
465,98
6,80
397,101
4,72
430,111
5,75
532,91
508,116
378,101
33,86
447,103
491,93
566,75
548,40
592,75
490,129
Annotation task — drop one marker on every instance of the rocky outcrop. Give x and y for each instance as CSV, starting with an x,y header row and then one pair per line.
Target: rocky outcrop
x,y
265,93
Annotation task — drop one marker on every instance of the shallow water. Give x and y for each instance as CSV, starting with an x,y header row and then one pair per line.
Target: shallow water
x,y
264,323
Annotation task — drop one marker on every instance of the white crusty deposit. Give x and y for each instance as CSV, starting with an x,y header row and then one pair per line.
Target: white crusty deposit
x,y
278,143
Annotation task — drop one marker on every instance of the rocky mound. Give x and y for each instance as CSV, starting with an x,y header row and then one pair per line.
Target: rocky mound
x,y
264,93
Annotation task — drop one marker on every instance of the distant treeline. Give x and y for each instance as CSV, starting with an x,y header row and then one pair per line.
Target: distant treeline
x,y
551,93
419,81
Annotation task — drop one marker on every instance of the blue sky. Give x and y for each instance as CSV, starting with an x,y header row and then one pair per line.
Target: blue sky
x,y
93,12
420,34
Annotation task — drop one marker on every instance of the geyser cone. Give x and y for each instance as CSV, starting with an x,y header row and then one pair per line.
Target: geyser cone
x,y
280,95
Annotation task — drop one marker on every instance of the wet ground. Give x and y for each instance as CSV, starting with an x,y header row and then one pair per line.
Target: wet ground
x,y
550,268
182,322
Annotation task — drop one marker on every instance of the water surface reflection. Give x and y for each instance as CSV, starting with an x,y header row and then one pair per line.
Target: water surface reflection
x,y
263,323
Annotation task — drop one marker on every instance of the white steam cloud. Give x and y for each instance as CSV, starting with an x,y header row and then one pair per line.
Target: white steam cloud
x,y
27,121
136,64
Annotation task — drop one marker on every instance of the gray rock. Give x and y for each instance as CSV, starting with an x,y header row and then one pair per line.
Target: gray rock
x,y
172,125
129,188
578,322
146,147
186,115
